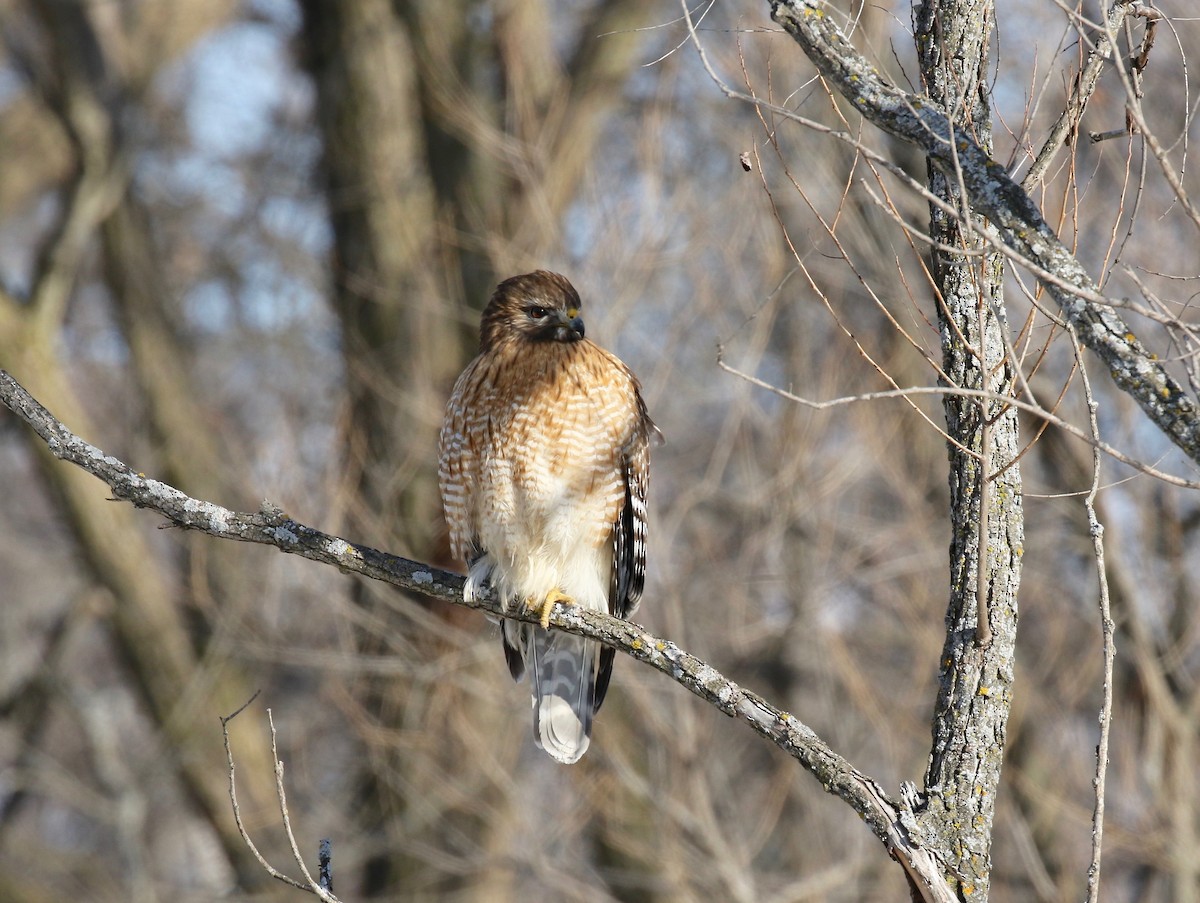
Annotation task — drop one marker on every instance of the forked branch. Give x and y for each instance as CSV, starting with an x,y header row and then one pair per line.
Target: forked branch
x,y
322,890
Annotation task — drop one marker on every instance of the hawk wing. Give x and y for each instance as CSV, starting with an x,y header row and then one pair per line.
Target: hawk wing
x,y
458,467
628,577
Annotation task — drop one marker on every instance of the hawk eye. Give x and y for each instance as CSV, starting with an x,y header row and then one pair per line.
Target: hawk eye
x,y
538,313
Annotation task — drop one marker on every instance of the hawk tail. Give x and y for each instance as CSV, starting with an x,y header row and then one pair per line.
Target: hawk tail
x,y
563,684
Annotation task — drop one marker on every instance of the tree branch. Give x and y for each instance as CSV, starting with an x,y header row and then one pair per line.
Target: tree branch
x,y
993,193
1066,127
320,890
271,526
1108,639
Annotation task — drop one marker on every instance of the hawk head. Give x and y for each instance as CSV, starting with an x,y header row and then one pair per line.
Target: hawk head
x,y
537,307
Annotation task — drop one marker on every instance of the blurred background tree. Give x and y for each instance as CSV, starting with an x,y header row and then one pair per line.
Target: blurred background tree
x,y
244,246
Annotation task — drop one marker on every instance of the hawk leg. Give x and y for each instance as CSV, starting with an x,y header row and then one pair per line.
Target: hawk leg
x,y
545,606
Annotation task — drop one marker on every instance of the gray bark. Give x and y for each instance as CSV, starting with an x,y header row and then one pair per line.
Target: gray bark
x,y
976,666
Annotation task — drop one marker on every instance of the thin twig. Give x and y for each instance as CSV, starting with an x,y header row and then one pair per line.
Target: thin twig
x,y
1037,411
1135,121
1064,130
1097,137
237,812
287,820
1107,628
983,620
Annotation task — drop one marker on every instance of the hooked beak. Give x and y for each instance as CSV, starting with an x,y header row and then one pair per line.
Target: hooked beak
x,y
570,326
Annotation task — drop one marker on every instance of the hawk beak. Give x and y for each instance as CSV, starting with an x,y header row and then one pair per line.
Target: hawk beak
x,y
571,325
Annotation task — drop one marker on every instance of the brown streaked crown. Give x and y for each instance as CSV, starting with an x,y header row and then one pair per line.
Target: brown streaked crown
x,y
540,307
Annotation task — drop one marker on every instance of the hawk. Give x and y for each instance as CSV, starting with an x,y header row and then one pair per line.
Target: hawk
x,y
544,465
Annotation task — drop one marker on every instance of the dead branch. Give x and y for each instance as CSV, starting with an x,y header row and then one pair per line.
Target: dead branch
x,y
1108,634
312,887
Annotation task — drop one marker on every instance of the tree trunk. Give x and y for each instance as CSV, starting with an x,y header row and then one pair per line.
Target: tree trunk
x,y
976,667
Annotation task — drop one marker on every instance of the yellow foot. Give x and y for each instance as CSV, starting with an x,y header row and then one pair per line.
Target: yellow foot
x,y
545,606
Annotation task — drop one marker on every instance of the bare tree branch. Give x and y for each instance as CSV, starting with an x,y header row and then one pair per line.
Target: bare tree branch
x,y
993,193
1107,632
1066,127
271,526
321,891
313,886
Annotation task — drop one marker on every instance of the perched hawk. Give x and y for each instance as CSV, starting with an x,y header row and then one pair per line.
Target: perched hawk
x,y
545,457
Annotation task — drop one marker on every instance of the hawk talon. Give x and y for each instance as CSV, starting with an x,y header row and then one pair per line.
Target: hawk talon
x,y
547,605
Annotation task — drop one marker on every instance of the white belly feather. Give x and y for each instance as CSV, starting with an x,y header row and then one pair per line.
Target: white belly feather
x,y
544,529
